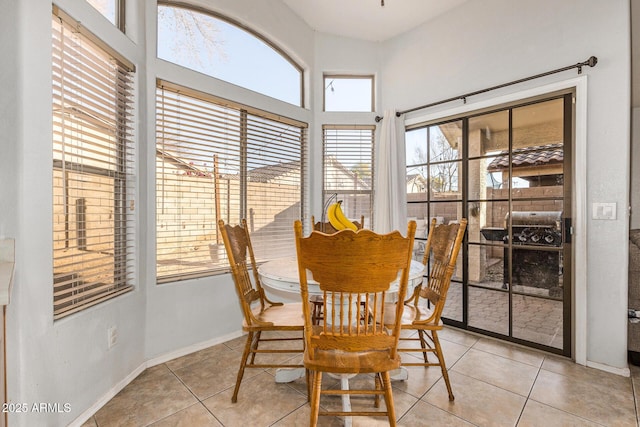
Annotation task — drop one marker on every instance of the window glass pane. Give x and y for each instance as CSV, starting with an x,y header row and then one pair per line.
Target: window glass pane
x,y
351,93
453,309
92,173
539,124
488,179
107,8
444,171
212,46
445,180
274,185
445,142
348,169
495,319
489,134
416,147
219,161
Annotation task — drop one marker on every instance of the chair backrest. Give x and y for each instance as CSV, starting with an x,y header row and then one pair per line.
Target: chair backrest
x,y
326,227
238,245
441,253
354,272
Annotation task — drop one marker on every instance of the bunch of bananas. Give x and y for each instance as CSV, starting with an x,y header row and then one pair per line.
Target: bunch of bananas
x,y
338,219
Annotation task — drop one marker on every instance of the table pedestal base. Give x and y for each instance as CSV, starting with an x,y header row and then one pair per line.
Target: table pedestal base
x,y
289,375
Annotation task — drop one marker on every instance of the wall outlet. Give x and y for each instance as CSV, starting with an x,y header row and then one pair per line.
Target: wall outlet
x,y
112,336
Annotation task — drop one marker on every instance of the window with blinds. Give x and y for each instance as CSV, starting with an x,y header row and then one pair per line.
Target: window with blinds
x,y
113,10
92,171
348,169
216,159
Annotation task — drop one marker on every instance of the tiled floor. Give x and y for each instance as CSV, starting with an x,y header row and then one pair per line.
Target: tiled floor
x,y
495,384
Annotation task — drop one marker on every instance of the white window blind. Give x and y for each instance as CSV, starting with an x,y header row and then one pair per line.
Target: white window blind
x,y
348,168
216,159
93,229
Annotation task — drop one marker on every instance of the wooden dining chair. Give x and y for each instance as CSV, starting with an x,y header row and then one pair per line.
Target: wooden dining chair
x,y
423,310
326,227
355,272
260,313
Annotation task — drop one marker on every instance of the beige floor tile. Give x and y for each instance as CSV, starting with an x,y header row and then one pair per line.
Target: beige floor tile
x,y
635,381
420,380
477,402
587,398
402,401
457,336
487,376
510,351
425,414
214,374
237,343
499,371
153,395
193,416
261,403
300,417
536,414
198,356
568,368
452,350
91,422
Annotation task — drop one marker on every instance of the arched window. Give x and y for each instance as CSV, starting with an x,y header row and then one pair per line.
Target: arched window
x,y
207,43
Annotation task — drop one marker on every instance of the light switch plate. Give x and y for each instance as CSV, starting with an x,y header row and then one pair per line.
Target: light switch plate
x,y
604,211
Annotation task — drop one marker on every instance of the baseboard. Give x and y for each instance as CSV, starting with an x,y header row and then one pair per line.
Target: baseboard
x,y
82,418
192,348
107,396
625,372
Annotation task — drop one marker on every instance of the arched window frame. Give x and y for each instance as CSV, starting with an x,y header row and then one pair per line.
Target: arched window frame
x,y
249,30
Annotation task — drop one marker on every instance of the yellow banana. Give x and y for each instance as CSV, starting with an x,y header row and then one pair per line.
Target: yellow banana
x,y
333,219
343,219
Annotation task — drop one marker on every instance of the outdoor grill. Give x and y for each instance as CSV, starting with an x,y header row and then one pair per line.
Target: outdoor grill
x,y
532,267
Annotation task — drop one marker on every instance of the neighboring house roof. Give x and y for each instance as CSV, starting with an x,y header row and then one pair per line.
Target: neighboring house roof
x,y
530,156
188,168
363,183
271,172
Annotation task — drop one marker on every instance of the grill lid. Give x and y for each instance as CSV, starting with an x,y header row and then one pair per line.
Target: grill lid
x,y
552,219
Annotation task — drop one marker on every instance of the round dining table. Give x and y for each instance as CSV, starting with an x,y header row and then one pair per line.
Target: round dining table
x,y
280,275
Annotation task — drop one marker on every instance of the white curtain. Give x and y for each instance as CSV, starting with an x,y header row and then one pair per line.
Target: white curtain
x,y
390,192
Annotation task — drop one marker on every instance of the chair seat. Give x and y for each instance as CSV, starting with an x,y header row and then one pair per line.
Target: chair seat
x,y
411,316
345,362
283,317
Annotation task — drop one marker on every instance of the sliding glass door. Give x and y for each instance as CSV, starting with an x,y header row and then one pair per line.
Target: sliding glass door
x,y
508,172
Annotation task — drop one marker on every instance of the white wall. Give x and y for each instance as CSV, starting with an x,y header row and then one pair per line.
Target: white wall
x,y
197,311
489,42
66,361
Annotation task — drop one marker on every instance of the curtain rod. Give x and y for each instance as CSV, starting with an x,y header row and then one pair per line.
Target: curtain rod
x,y
591,62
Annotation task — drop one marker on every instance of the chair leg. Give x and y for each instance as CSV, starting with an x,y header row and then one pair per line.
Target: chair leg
x,y
423,344
440,355
307,375
243,363
315,398
378,382
255,347
388,398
